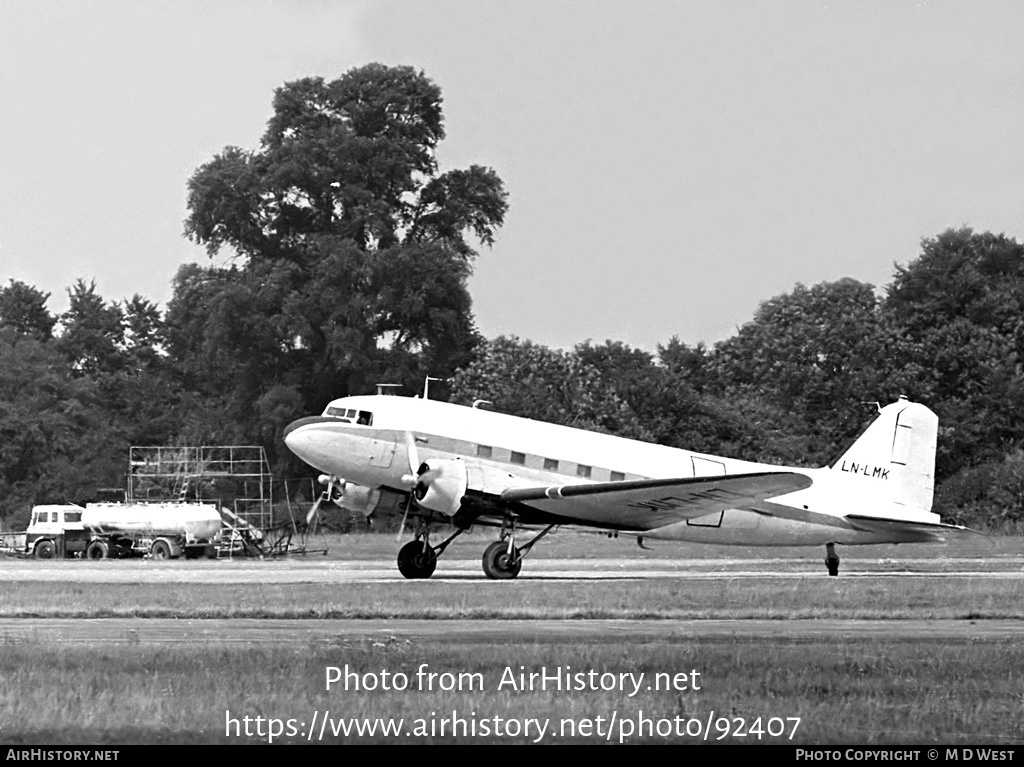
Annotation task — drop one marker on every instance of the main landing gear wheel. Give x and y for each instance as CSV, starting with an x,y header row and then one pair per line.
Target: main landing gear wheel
x,y
499,564
417,559
831,559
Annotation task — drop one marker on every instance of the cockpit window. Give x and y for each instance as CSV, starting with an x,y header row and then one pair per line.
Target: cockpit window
x,y
72,516
340,413
350,415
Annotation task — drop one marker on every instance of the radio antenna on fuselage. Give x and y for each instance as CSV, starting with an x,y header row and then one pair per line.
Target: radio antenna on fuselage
x,y
426,385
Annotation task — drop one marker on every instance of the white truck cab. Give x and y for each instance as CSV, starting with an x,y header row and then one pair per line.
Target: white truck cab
x,y
56,531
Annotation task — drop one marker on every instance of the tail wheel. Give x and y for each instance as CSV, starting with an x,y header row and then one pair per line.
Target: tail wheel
x,y
831,559
417,559
160,550
97,550
499,564
45,550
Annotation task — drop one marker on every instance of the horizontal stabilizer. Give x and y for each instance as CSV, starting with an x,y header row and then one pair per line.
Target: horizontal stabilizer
x,y
935,531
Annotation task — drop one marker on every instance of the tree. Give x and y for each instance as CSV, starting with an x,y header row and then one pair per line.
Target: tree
x,y
960,274
691,364
663,406
958,309
530,380
351,159
53,437
144,333
23,308
92,331
353,250
815,354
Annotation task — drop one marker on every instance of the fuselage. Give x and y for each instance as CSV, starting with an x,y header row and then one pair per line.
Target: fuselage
x,y
364,440
373,452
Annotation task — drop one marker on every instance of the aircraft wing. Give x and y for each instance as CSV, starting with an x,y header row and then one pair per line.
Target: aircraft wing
x,y
650,503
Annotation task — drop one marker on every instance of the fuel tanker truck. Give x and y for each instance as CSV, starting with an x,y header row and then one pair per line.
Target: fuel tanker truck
x,y
102,530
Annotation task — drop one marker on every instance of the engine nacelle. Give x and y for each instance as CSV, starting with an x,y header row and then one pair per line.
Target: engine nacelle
x,y
441,486
359,498
350,496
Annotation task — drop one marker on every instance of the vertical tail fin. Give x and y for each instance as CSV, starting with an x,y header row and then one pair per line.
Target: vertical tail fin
x,y
897,452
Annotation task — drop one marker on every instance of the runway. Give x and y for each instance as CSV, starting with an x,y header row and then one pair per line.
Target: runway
x,y
256,631
313,569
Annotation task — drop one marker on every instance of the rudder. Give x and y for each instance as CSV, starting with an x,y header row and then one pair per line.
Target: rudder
x,y
898,448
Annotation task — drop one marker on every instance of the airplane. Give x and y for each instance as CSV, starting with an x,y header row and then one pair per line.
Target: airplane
x,y
465,466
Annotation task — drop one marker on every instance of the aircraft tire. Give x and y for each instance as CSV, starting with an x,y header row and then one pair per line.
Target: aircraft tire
x,y
831,559
416,560
498,565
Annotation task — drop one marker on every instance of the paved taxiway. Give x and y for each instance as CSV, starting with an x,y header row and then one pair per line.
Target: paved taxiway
x,y
315,569
253,631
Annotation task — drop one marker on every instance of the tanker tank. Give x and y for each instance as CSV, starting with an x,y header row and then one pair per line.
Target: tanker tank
x,y
196,521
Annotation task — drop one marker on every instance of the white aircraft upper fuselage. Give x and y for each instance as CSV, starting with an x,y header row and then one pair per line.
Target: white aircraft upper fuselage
x,y
474,465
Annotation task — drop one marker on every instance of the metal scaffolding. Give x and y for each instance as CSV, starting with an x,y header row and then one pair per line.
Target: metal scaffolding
x,y
235,477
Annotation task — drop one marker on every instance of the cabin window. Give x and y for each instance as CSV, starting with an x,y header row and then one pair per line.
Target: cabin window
x,y
583,471
54,516
550,464
519,458
617,476
72,516
483,451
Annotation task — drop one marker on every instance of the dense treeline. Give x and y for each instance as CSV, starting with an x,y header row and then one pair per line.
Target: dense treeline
x,y
351,252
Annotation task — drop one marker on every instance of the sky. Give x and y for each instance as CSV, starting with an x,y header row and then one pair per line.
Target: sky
x,y
669,165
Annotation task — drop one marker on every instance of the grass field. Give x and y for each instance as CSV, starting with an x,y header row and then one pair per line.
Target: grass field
x,y
890,598
859,692
853,689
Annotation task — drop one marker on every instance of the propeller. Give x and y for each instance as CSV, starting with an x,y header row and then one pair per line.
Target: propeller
x,y
329,481
412,479
314,510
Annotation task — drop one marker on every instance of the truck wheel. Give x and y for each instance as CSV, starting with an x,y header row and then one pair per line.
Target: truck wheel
x,y
45,550
97,550
160,550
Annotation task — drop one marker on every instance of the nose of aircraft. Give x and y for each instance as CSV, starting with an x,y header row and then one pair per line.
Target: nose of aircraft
x,y
302,441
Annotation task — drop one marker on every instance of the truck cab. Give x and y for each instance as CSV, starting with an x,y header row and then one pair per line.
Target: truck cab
x,y
56,531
